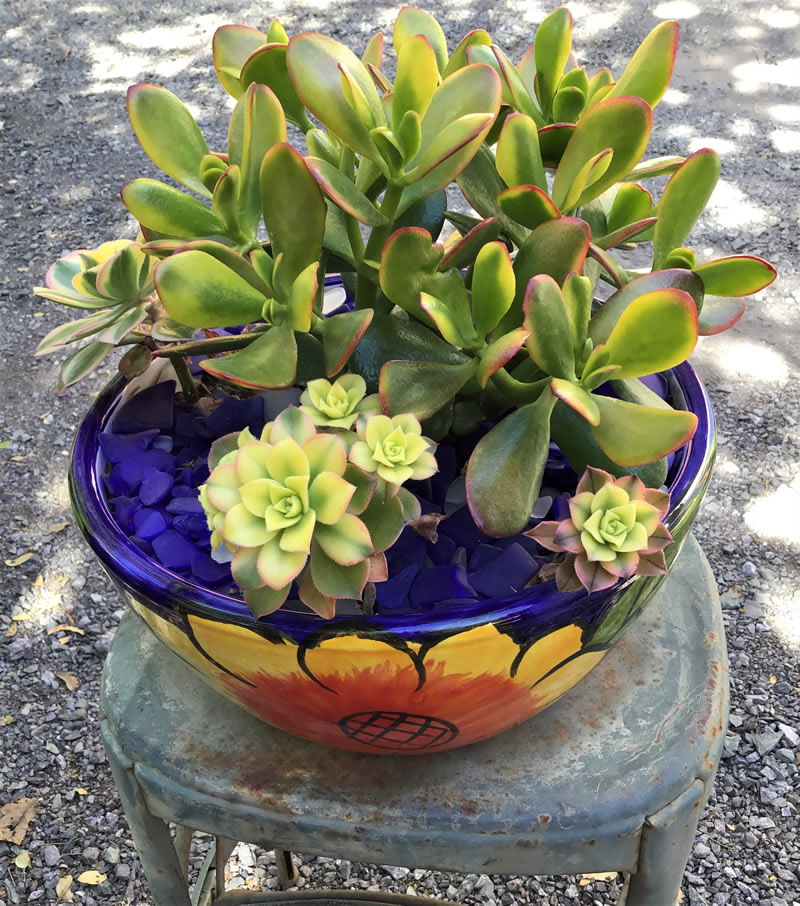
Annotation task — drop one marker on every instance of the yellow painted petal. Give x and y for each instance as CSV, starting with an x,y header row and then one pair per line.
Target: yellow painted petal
x,y
173,637
563,679
338,658
548,653
477,651
239,649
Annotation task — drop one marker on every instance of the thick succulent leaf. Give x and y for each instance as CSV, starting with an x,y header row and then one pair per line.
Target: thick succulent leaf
x,y
80,363
389,337
233,260
684,199
347,542
456,330
655,332
226,202
481,184
604,319
519,159
232,45
341,336
119,276
514,88
550,343
311,596
421,388
553,141
427,213
70,299
658,166
257,124
577,294
556,248
417,78
161,207
493,286
631,203
334,580
501,499
409,256
632,435
200,291
577,398
463,252
268,363
264,601
168,134
568,104
267,66
72,331
411,22
373,52
622,124
294,210
126,322
601,79
458,59
314,62
499,353
385,521
528,205
739,275
301,298
551,49
719,313
631,232
342,190
648,73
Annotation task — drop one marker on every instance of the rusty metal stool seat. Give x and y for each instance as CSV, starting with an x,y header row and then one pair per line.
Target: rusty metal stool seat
x,y
611,777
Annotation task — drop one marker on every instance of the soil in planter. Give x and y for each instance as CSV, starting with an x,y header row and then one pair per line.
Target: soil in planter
x,y
157,457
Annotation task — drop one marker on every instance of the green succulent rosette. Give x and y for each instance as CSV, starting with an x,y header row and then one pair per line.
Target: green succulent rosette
x,y
394,450
615,531
338,404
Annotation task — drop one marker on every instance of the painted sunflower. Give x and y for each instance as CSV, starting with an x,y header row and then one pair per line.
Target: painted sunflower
x,y
370,695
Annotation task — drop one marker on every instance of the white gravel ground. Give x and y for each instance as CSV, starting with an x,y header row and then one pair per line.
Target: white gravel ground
x,y
66,147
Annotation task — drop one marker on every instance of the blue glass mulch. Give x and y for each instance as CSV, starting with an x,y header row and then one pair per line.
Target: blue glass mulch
x,y
157,458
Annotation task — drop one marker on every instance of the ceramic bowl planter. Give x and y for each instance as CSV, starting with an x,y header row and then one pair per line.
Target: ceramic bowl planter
x,y
378,684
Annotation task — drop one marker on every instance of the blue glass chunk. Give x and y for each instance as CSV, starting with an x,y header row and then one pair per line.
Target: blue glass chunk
x,y
149,408
155,486
173,550
506,574
116,447
188,506
440,583
149,524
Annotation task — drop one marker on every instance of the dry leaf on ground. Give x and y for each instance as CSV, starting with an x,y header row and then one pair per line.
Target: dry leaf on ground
x,y
69,680
55,528
64,627
607,876
16,817
6,720
18,561
91,877
64,889
23,859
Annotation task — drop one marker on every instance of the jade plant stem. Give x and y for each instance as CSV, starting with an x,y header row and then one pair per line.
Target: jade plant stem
x,y
366,290
518,392
188,385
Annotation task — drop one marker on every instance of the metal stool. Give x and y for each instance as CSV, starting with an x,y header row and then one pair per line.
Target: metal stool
x,y
612,777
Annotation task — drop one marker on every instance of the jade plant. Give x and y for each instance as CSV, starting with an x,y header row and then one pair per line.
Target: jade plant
x,y
527,315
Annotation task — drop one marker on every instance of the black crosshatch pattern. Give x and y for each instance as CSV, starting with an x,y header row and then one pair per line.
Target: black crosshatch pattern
x,y
390,729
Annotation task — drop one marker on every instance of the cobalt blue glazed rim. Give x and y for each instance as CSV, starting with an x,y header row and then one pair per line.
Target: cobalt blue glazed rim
x,y
541,604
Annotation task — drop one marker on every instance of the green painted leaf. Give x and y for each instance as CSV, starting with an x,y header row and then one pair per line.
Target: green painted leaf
x,y
649,71
80,363
463,253
604,319
342,190
257,124
622,124
528,205
685,196
501,499
655,332
633,435
458,59
739,275
267,66
232,45
421,388
411,22
551,48
409,256
294,210
719,313
200,291
168,134
268,363
313,62
417,78
550,343
519,159
158,206
493,286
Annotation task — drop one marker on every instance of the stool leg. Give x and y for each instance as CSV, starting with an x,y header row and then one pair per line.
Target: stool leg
x,y
667,839
287,873
154,844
